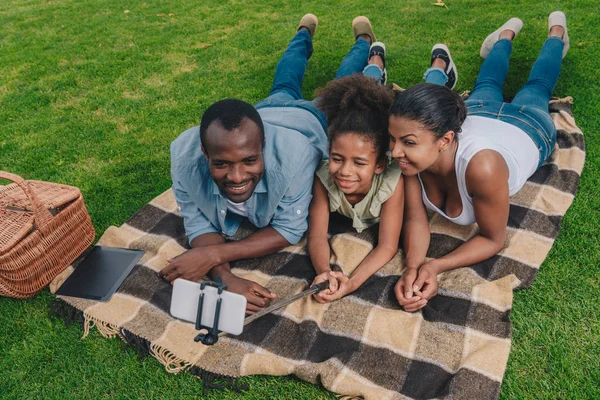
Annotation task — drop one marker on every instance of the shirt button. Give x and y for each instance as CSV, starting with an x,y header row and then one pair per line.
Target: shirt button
x,y
298,212
179,208
222,211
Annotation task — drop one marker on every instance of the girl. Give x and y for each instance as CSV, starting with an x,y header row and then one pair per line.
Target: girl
x,y
357,181
469,178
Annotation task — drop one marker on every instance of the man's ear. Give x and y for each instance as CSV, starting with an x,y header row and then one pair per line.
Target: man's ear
x,y
204,151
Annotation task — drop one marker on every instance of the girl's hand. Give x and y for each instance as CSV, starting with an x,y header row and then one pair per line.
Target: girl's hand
x,y
333,285
343,286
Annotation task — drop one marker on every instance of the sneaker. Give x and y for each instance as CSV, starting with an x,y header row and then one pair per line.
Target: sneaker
x,y
559,18
362,26
513,24
378,49
310,22
441,51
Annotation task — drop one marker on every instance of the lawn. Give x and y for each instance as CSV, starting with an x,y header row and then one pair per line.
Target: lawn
x,y
93,92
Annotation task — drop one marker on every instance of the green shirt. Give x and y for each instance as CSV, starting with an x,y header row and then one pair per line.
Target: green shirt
x,y
366,212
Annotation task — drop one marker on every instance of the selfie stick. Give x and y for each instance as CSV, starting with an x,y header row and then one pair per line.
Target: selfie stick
x,y
312,290
212,335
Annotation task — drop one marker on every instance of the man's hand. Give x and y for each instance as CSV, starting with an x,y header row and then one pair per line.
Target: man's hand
x,y
192,264
416,287
257,296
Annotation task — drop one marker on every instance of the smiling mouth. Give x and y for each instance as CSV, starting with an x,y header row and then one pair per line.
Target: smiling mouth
x,y
403,163
345,183
239,189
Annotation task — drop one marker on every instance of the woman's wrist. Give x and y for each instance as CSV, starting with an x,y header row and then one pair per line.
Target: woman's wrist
x,y
434,266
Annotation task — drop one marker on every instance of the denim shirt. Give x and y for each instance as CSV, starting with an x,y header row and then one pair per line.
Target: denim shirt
x,y
281,198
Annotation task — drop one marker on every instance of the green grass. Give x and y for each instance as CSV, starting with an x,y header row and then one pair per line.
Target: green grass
x,y
92,95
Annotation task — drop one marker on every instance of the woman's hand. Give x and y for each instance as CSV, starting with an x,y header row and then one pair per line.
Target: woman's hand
x,y
339,286
417,286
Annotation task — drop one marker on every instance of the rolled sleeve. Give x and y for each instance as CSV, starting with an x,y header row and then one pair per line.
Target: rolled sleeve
x,y
194,221
291,215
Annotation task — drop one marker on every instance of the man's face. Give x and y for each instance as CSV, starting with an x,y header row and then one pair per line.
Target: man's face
x,y
235,158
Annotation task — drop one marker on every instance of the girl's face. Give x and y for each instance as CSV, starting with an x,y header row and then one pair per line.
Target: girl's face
x,y
414,146
353,162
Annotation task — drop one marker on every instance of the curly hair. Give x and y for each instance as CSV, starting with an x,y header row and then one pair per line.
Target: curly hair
x,y
357,104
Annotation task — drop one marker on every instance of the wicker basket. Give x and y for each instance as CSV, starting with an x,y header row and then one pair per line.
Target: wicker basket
x,y
44,227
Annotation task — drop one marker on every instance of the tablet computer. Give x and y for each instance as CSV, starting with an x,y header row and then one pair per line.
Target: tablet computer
x,y
100,273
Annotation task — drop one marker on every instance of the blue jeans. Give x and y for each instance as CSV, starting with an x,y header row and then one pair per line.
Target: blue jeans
x,y
436,76
529,108
286,89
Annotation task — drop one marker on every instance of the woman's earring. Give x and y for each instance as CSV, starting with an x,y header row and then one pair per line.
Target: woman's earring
x,y
442,149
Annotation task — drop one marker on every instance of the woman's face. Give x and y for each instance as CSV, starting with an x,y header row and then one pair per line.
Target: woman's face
x,y
414,146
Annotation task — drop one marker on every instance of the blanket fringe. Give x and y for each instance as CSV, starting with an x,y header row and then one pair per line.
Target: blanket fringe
x,y
568,100
210,380
139,344
63,310
171,362
143,347
106,329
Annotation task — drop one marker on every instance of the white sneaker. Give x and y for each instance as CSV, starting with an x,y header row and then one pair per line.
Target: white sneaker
x,y
559,18
513,24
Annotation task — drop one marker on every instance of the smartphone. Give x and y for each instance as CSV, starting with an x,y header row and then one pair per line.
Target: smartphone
x,y
184,305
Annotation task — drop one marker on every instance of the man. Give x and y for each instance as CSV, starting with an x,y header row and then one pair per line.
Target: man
x,y
256,163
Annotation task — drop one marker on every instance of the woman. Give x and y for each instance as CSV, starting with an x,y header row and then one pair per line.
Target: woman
x,y
464,159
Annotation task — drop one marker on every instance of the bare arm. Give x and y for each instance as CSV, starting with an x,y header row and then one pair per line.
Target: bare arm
x,y
415,232
387,247
487,182
210,255
211,250
415,239
389,235
261,243
318,224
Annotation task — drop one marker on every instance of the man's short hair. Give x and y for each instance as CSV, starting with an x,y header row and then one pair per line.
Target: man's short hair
x,y
230,113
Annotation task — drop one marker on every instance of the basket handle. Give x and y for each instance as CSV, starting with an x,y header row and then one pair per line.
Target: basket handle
x,y
41,215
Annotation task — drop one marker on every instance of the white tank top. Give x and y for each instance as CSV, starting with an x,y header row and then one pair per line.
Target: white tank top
x,y
482,133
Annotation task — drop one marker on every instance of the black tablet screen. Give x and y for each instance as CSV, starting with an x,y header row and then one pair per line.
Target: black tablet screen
x,y
101,273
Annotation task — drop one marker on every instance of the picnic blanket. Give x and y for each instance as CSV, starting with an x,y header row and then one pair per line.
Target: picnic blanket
x,y
364,344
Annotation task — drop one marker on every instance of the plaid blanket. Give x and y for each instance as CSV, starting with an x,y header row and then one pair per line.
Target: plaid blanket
x,y
362,345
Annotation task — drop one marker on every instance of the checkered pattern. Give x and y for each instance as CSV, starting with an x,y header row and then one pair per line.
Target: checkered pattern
x,y
363,344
